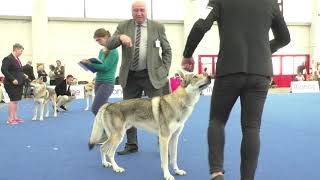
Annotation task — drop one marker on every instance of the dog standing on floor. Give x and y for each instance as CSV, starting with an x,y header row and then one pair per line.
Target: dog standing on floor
x,y
164,115
89,93
42,96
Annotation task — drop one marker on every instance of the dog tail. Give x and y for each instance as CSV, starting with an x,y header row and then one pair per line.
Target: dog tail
x,y
98,127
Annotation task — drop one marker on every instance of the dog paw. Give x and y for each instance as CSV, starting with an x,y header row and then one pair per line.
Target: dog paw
x,y
33,119
86,109
169,177
180,172
106,164
118,169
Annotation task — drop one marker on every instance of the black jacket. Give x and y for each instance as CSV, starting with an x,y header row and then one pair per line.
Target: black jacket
x,y
244,35
12,70
28,70
61,89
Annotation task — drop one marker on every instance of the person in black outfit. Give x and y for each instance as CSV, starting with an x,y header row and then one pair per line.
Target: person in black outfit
x,y
244,69
28,70
64,94
13,81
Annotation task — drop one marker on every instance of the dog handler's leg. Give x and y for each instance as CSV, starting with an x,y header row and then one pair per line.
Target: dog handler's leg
x,y
164,141
173,148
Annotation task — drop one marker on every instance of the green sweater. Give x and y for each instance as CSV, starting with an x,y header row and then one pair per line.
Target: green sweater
x,y
106,71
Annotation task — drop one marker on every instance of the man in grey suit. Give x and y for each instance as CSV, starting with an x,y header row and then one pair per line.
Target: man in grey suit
x,y
142,69
244,69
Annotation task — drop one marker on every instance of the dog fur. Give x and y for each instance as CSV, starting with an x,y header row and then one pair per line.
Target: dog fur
x,y
89,93
42,96
164,115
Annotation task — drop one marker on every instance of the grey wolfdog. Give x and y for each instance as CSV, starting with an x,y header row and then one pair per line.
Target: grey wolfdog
x,y
164,115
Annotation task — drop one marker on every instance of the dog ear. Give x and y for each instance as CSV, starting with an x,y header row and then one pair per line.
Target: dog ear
x,y
181,74
40,79
186,80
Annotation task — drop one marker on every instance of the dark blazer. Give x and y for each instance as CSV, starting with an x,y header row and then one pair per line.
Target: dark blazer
x,y
158,67
28,70
244,35
12,70
61,89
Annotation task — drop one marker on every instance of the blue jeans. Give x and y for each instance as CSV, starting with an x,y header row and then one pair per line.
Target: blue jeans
x,y
102,91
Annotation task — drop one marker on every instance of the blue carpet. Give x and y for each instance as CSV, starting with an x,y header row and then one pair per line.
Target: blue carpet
x,y
56,149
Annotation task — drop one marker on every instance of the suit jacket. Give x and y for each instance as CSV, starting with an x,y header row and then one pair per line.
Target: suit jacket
x,y
244,35
12,70
61,89
28,70
158,67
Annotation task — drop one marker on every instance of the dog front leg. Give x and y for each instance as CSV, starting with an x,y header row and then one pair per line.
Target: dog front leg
x,y
35,111
173,150
164,157
48,110
41,109
87,103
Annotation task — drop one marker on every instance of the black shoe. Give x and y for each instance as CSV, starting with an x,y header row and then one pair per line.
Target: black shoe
x,y
64,108
128,150
219,177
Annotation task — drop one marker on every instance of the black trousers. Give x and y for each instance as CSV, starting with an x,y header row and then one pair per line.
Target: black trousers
x,y
138,82
252,90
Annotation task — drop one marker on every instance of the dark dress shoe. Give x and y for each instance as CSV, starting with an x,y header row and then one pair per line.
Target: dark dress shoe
x,y
219,177
127,150
64,108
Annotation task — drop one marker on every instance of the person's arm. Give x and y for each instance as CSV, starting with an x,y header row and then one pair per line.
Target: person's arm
x,y
280,30
32,75
4,69
166,48
200,27
114,41
108,62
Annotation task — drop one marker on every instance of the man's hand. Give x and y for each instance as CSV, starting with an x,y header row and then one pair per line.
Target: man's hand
x,y
188,64
15,82
26,76
86,61
126,40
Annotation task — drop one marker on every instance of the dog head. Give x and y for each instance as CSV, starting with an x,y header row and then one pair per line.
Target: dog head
x,y
194,83
38,84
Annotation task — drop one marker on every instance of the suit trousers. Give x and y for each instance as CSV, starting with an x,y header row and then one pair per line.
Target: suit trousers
x,y
252,90
137,83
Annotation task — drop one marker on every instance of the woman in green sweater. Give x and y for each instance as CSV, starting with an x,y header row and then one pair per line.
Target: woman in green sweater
x,y
105,77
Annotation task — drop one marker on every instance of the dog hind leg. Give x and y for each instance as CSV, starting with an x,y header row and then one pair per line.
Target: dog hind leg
x,y
104,148
115,139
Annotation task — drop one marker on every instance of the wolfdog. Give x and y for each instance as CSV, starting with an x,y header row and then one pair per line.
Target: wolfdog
x,y
163,115
89,93
42,96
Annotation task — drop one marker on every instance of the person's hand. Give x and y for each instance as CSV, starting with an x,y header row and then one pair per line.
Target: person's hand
x,y
26,76
15,82
187,64
86,61
126,40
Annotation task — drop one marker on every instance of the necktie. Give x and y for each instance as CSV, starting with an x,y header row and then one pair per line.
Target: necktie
x,y
137,48
19,62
